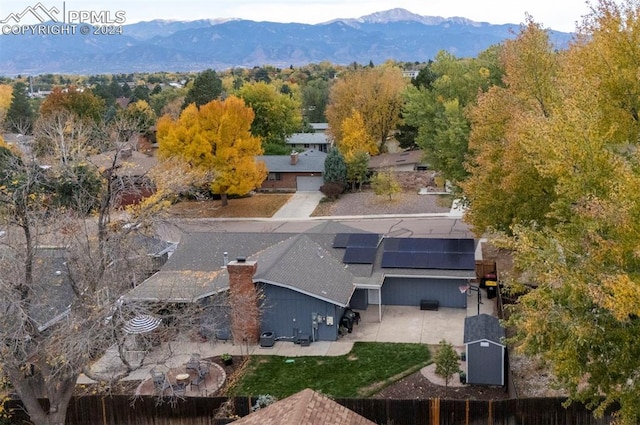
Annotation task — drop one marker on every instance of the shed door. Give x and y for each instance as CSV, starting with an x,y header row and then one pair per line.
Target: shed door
x,y
485,363
308,183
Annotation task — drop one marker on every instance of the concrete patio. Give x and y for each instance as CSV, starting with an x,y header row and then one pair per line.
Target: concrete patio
x,y
399,324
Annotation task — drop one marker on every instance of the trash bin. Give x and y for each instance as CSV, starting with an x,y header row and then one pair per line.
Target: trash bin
x,y
267,339
492,288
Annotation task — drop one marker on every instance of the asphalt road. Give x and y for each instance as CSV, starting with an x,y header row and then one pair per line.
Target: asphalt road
x,y
394,226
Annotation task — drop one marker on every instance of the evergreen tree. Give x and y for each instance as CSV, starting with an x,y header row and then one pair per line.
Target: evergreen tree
x,y
20,115
335,168
206,87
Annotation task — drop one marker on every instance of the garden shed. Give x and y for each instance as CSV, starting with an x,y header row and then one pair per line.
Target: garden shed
x,y
485,350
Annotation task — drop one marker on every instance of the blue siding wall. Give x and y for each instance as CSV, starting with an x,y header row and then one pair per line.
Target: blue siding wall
x,y
485,365
359,299
409,291
285,309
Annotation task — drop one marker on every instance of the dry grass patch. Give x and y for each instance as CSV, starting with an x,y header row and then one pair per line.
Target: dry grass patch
x,y
258,205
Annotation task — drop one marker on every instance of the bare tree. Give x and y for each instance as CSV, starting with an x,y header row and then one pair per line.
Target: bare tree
x,y
63,278
63,135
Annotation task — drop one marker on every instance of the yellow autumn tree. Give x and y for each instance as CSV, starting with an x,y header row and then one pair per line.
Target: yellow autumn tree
x,y
355,137
216,137
6,91
376,93
504,186
573,118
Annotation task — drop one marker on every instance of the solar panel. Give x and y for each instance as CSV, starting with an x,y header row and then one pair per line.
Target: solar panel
x,y
429,253
363,240
389,259
391,244
341,239
359,255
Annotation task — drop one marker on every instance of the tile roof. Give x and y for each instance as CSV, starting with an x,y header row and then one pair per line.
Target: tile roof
x,y
483,327
304,408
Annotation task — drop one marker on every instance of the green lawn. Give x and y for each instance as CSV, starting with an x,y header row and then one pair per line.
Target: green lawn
x,y
368,368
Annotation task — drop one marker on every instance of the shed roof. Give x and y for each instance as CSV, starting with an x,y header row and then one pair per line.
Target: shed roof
x,y
304,408
483,327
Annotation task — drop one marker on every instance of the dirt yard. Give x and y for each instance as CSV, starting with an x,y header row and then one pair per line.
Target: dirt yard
x,y
258,205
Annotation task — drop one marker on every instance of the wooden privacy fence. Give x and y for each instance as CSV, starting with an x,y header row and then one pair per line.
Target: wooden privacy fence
x,y
123,410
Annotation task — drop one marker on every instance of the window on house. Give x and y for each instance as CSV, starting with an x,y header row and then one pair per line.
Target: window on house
x,y
274,176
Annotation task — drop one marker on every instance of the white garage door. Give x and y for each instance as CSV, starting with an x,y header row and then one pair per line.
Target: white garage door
x,y
308,184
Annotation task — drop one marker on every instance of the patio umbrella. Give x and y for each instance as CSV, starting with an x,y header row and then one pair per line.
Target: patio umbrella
x,y
142,324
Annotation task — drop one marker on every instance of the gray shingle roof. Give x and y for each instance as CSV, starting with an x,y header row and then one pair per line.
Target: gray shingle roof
x,y
483,327
305,265
310,161
308,138
399,158
305,262
52,289
195,270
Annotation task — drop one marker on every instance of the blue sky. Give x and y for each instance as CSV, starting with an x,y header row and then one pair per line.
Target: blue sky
x,y
556,14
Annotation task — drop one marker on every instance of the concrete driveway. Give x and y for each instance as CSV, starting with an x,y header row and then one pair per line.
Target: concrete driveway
x,y
300,205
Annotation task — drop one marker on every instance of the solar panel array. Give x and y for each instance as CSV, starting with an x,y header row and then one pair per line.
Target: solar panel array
x,y
428,253
361,248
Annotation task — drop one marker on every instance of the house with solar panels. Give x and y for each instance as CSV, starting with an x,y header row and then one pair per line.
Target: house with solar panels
x,y
310,281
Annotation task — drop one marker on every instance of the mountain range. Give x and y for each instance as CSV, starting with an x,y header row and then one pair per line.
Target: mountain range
x,y
162,45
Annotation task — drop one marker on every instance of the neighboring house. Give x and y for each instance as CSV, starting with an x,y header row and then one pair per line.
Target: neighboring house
x,y
132,168
22,142
304,407
413,73
402,161
320,127
308,280
294,172
53,290
485,350
318,141
305,141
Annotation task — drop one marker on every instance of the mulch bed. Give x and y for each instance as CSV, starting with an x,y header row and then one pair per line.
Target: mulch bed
x,y
417,387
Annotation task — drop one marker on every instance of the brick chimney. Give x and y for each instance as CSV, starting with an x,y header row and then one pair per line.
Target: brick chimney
x,y
294,158
243,298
